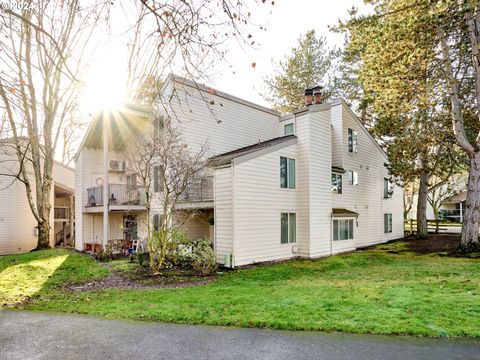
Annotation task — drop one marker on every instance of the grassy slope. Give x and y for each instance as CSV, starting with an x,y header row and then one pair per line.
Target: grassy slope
x,y
369,291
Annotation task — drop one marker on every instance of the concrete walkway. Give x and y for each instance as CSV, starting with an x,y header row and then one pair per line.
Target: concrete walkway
x,y
27,335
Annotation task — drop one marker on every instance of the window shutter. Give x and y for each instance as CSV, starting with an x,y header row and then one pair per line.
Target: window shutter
x,y
156,222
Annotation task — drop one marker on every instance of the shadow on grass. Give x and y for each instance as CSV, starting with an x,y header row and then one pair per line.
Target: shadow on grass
x,y
24,276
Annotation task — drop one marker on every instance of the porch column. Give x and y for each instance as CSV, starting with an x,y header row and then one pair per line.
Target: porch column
x,y
71,220
461,212
106,187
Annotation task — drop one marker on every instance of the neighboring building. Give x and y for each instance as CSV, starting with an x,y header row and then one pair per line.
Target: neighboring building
x,y
18,227
310,184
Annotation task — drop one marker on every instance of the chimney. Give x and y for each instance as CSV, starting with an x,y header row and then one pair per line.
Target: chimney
x,y
317,94
308,96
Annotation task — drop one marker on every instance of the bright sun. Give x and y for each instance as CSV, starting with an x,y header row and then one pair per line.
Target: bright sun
x,y
105,83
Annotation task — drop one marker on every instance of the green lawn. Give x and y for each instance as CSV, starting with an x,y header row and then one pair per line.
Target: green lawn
x,y
372,291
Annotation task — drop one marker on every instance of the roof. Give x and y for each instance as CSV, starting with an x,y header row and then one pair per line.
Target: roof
x,y
340,212
226,158
210,90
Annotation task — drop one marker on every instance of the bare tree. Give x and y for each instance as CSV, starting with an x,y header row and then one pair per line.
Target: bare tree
x,y
43,54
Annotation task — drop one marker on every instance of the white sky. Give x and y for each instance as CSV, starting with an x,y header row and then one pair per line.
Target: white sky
x,y
289,19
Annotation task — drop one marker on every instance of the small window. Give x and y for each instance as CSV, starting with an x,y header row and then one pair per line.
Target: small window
x,y
387,188
352,140
287,173
288,129
288,231
343,229
337,183
156,222
352,177
387,223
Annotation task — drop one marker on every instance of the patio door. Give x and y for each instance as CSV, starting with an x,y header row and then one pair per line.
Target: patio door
x,y
130,227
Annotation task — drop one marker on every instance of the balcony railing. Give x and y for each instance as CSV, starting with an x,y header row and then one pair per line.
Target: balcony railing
x,y
452,215
119,194
198,190
60,212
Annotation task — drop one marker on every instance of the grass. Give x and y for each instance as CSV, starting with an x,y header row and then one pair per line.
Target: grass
x,y
384,290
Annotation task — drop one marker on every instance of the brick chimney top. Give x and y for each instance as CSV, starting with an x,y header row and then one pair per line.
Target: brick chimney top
x,y
314,95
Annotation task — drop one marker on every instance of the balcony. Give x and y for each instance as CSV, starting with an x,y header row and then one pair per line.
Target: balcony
x,y
120,195
198,190
61,213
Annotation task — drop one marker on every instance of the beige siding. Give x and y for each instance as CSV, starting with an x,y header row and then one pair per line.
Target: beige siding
x,y
337,137
224,125
366,198
259,201
320,183
196,225
223,241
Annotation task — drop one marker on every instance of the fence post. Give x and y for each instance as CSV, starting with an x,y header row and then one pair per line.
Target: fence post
x,y
411,226
436,226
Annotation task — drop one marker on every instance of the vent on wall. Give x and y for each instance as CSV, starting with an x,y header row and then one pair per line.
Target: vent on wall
x,y
116,165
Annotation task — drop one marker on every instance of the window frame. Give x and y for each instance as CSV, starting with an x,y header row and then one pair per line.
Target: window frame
x,y
352,141
335,188
388,188
285,127
290,182
350,227
387,223
291,237
352,177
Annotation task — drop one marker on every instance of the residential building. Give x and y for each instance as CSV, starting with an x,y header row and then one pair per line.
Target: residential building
x,y
310,184
18,226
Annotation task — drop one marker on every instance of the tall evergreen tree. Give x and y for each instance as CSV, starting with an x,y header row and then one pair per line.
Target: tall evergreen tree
x,y
311,62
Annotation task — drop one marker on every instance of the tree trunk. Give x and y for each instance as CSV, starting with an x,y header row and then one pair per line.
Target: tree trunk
x,y
471,219
43,234
422,227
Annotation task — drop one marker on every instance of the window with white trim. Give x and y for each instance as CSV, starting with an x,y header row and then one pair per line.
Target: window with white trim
x,y
337,183
343,229
288,129
352,140
387,188
387,223
287,173
288,228
352,177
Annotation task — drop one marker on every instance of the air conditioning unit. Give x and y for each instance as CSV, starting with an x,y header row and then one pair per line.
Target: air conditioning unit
x,y
116,165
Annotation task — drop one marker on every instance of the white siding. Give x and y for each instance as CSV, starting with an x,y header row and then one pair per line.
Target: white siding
x,y
259,201
223,242
224,125
366,198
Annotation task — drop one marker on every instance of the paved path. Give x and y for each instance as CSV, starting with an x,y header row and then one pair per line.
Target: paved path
x,y
26,335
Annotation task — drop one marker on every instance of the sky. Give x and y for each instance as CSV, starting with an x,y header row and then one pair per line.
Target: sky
x,y
289,19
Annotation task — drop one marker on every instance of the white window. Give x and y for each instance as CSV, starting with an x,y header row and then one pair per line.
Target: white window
x,y
343,229
287,173
387,223
288,228
387,188
337,183
352,177
288,129
352,140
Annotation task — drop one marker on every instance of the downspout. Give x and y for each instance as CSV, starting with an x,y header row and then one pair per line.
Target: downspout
x,y
233,215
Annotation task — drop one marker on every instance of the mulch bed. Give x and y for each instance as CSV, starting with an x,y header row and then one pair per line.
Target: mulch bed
x,y
434,243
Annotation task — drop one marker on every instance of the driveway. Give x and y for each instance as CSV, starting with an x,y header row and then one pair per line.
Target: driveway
x,y
27,335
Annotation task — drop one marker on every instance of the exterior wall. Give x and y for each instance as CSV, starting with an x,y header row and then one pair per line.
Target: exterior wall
x,y
224,125
197,226
320,165
223,213
337,137
20,235
259,201
366,198
89,167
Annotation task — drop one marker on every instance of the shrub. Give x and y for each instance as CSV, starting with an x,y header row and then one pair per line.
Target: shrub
x,y
104,254
178,250
203,258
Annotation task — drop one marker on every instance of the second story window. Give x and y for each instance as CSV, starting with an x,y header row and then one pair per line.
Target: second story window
x,y
352,141
337,183
352,177
387,188
288,129
287,173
